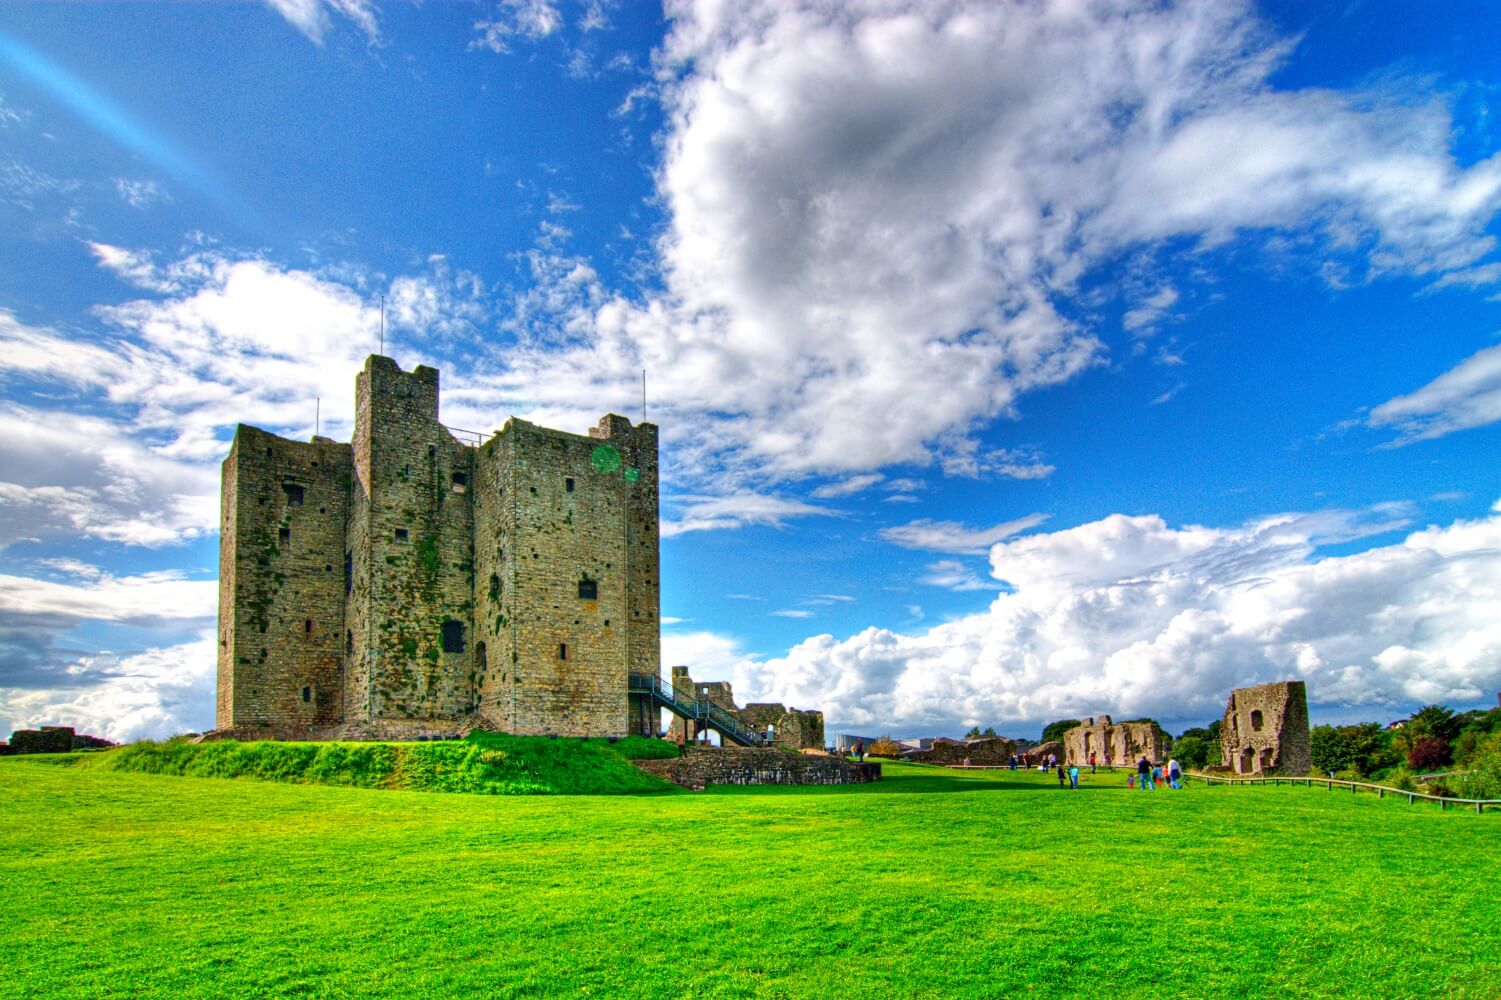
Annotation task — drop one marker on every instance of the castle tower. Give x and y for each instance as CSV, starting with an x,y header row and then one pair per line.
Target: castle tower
x,y
513,583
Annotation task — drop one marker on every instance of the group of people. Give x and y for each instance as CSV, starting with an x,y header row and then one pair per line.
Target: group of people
x,y
1148,775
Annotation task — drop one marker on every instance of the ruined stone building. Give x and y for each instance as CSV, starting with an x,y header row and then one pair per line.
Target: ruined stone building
x,y
1114,743
790,728
1265,730
414,582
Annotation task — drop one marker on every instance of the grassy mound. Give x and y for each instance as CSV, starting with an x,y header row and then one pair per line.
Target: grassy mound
x,y
483,763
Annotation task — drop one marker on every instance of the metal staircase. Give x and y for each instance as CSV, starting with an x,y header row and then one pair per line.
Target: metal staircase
x,y
695,709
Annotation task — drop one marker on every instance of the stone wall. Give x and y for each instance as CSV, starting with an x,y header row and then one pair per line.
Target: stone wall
x,y
792,729
411,581
987,752
1265,730
702,766
281,585
1120,744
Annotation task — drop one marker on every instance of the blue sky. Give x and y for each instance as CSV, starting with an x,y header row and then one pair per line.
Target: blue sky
x,y
1013,362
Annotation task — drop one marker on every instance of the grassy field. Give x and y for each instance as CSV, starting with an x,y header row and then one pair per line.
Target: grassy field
x,y
928,884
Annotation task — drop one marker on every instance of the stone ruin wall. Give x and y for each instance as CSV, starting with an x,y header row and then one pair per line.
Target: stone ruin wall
x,y
1119,744
793,729
1265,730
986,751
700,767
408,583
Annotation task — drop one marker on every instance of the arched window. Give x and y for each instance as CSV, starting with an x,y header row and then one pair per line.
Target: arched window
x,y
1255,720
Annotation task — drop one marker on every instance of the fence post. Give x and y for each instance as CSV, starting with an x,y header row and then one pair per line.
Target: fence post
x,y
1410,799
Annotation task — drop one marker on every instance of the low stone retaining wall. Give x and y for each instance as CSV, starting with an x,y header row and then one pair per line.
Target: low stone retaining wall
x,y
700,767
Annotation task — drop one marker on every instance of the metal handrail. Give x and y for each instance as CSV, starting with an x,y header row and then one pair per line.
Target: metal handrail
x,y
1354,786
698,709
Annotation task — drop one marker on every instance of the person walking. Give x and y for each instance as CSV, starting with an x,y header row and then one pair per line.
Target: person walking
x,y
1156,775
860,750
1013,762
1091,762
1073,777
1174,773
1144,773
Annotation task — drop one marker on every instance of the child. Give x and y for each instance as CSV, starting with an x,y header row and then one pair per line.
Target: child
x,y
1156,775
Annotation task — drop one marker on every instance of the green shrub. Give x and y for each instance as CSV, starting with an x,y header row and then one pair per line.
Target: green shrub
x,y
1401,778
1483,780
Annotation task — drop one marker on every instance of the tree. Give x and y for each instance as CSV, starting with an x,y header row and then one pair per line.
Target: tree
x,y
1055,730
1364,747
1433,720
990,733
1191,751
974,733
1428,753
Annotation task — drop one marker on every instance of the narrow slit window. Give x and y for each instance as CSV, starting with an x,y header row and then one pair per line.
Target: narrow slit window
x,y
588,590
307,694
562,650
307,626
568,485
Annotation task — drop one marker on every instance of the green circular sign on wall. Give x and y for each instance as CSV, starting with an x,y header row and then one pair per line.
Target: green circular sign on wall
x,y
605,458
631,475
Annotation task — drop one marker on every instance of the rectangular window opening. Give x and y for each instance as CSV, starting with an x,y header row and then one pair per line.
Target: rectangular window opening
x,y
307,694
307,626
460,482
284,535
562,650
401,534
453,636
294,494
568,485
588,590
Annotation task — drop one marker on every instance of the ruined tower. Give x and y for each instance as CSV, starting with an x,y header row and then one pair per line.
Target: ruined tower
x,y
412,582
1265,730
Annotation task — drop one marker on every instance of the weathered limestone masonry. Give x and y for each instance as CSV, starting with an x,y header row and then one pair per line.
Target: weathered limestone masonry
x,y
791,728
699,767
1265,730
1119,743
987,751
409,583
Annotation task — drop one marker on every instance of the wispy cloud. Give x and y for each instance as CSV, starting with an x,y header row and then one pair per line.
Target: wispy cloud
x,y
1466,396
952,536
954,575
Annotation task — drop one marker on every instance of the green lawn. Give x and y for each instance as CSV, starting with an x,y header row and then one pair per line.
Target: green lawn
x,y
927,884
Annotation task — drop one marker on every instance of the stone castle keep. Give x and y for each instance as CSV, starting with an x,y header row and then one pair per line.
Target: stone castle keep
x,y
409,583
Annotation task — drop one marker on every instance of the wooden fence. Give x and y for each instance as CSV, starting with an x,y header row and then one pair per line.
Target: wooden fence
x,y
1382,791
